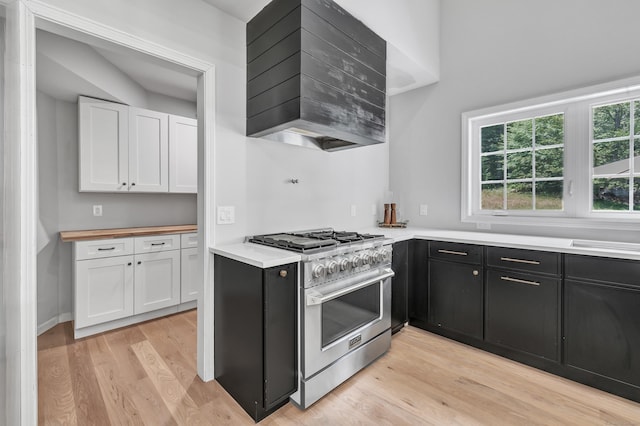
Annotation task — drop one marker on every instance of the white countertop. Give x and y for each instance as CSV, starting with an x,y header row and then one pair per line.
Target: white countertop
x,y
256,254
266,257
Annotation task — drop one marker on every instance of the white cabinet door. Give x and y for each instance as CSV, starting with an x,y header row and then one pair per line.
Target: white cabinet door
x,y
103,145
189,281
148,151
103,290
183,154
157,278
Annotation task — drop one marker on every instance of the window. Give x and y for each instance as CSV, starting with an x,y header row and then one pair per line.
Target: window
x,y
522,164
566,159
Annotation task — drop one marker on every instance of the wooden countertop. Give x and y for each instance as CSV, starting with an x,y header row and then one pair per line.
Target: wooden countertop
x,y
98,234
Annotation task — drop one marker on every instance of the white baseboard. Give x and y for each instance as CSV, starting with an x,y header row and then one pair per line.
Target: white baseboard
x,y
50,323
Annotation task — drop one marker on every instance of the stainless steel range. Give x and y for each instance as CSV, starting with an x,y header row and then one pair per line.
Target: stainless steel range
x,y
345,305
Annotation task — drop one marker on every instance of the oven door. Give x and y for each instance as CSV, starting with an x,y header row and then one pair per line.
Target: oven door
x,y
340,317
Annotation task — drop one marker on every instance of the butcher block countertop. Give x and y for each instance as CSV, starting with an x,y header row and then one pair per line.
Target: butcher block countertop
x,y
98,234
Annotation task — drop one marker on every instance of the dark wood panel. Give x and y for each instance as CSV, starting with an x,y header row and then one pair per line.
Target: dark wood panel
x,y
338,78
282,50
284,92
603,269
273,35
523,316
328,54
280,338
456,252
540,262
347,23
340,119
267,17
399,285
418,282
456,297
327,32
601,330
272,117
341,102
276,75
238,330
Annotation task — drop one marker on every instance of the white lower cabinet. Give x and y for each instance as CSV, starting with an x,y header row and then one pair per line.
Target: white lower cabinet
x,y
157,278
106,293
189,279
122,281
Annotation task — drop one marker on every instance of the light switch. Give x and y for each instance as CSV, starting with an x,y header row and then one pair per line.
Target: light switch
x,y
423,209
97,210
353,210
226,215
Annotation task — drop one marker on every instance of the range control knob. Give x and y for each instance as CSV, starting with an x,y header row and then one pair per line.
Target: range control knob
x,y
332,267
317,271
366,258
379,256
355,261
344,264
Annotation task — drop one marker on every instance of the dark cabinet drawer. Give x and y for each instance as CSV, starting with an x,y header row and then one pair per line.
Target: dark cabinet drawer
x,y
539,262
522,312
455,252
603,269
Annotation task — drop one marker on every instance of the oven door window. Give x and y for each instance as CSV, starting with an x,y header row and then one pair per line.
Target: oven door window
x,y
347,313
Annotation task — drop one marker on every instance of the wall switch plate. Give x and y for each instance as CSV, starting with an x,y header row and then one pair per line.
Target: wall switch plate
x,y
226,215
424,210
97,210
353,210
374,210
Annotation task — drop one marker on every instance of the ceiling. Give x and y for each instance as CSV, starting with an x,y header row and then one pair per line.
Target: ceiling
x,y
243,10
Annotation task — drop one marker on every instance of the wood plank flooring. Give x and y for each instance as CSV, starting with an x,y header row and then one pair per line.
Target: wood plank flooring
x,y
146,375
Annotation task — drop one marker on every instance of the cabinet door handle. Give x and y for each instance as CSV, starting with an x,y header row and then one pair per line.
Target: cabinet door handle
x,y
528,262
139,262
516,280
283,273
158,244
129,264
457,253
106,249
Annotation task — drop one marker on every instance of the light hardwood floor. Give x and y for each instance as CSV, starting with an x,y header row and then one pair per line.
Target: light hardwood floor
x,y
146,374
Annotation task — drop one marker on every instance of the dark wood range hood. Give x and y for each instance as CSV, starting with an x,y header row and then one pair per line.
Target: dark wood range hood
x,y
316,76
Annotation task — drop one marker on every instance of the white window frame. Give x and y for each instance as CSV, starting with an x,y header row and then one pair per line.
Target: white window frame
x,y
577,106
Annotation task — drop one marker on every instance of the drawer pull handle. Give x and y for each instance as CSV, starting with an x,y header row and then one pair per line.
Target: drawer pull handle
x,y
106,249
528,262
457,253
158,244
516,280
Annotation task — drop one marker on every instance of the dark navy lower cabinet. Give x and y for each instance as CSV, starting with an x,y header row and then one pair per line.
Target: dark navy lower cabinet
x,y
418,285
602,323
522,313
255,334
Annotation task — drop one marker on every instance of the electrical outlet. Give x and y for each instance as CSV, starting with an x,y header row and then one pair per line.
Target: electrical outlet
x,y
374,210
424,210
481,225
226,215
97,210
353,210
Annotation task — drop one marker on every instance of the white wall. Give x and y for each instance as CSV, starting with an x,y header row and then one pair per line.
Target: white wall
x,y
494,52
62,207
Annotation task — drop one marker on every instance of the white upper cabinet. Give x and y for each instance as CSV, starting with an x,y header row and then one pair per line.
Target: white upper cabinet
x,y
183,154
148,151
104,145
129,149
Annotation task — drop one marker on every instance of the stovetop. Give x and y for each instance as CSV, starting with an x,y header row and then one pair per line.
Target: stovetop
x,y
312,241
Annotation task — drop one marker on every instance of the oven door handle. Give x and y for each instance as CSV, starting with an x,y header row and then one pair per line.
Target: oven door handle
x,y
318,299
